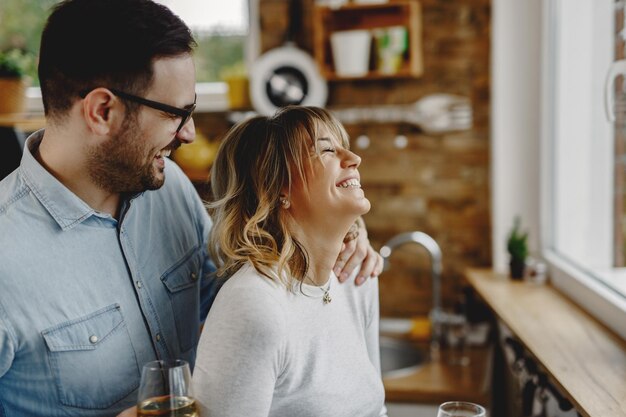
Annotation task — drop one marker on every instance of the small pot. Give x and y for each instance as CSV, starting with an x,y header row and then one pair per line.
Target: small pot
x,y
517,268
12,94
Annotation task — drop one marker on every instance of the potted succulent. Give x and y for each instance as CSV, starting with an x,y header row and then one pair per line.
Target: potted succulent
x,y
517,245
14,65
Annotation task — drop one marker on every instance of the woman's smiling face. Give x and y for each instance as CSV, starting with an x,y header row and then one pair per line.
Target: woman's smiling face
x,y
332,185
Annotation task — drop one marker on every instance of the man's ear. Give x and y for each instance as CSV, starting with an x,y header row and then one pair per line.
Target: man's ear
x,y
102,111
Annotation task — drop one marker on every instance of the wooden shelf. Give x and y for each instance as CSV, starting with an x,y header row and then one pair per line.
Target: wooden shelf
x,y
351,16
23,122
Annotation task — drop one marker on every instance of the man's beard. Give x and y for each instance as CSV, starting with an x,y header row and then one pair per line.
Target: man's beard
x,y
123,164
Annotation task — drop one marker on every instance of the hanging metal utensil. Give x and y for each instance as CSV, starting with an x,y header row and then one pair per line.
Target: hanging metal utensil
x,y
434,113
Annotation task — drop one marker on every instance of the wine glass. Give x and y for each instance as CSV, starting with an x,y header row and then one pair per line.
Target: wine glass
x,y
456,338
165,390
461,409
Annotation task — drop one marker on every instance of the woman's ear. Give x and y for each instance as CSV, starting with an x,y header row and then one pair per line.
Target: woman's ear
x,y
102,110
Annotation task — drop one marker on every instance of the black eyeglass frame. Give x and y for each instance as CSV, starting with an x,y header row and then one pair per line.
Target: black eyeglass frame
x,y
184,113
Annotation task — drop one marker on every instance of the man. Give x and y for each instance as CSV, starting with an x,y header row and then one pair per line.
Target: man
x,y
103,263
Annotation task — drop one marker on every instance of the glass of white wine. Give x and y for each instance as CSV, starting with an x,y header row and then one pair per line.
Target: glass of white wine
x,y
165,390
461,409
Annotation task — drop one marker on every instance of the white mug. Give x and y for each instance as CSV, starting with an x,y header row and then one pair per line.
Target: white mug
x,y
351,52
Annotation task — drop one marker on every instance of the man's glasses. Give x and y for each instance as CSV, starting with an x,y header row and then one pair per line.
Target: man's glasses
x,y
184,114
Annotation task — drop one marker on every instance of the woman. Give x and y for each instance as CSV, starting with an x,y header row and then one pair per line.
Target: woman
x,y
284,337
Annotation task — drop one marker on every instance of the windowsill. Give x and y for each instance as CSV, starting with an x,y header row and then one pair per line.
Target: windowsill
x,y
33,104
594,296
211,97
614,278
581,356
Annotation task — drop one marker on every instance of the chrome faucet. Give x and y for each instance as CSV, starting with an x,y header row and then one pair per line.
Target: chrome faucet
x,y
437,316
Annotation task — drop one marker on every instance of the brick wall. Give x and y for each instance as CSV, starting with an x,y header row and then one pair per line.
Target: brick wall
x,y
438,184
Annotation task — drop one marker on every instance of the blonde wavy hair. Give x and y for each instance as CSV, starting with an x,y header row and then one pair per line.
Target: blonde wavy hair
x,y
257,160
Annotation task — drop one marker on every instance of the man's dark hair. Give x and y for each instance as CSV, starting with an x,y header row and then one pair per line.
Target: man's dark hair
x,y
105,43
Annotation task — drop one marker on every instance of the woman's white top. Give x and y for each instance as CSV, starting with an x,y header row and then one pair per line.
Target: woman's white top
x,y
269,351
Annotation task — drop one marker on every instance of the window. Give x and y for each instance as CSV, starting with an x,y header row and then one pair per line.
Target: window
x,y
21,24
220,27
583,171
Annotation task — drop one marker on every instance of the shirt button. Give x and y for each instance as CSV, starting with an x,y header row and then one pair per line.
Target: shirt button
x,y
138,284
158,337
194,276
93,339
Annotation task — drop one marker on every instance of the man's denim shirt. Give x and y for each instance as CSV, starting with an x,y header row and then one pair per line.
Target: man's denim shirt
x,y
86,300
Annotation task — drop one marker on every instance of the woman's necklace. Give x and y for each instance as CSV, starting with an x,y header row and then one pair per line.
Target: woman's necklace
x,y
325,289
326,298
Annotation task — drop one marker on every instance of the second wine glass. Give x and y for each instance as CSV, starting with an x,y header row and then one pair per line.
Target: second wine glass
x,y
461,409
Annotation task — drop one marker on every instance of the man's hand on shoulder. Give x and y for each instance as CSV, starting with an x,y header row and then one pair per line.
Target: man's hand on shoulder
x,y
358,251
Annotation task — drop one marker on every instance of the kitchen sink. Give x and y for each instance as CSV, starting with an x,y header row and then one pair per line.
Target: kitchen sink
x,y
399,356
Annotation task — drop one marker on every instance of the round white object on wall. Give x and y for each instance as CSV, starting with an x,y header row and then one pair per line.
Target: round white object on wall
x,y
284,76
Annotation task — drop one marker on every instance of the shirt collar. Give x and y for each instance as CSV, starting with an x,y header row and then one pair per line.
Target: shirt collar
x,y
64,206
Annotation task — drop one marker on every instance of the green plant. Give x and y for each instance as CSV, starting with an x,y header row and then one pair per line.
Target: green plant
x,y
214,52
15,63
517,244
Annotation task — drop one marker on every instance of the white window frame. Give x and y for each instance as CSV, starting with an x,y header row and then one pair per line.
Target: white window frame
x,y
594,295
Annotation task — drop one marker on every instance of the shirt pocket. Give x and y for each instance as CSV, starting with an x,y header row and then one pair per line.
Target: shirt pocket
x,y
92,359
182,283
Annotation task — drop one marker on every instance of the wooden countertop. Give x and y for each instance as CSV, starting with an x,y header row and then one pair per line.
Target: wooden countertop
x,y
581,356
436,382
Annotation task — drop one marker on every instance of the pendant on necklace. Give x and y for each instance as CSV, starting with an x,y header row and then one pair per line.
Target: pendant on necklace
x,y
326,297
